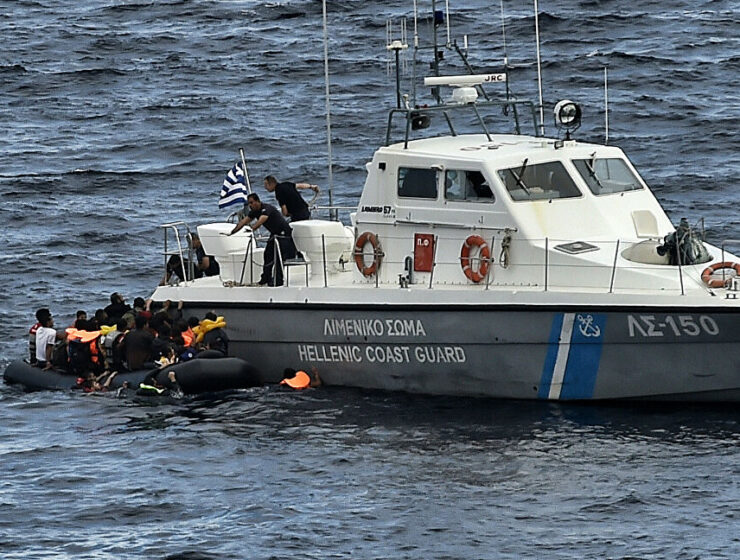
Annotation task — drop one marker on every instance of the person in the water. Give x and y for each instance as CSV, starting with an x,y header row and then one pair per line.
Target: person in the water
x,y
153,388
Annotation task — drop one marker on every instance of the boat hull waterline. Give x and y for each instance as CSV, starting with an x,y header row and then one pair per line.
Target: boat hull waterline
x,y
678,354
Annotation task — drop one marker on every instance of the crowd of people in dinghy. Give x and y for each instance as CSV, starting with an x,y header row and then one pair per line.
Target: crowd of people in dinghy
x,y
121,337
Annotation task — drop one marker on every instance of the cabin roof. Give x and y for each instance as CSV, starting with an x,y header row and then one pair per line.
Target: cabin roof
x,y
477,147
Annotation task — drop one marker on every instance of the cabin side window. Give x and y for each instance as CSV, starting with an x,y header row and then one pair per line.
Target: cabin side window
x,y
607,175
468,186
540,181
417,183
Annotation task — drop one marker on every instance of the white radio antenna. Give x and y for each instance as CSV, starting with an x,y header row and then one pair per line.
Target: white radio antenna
x,y
416,51
447,21
332,211
503,33
405,41
416,26
606,106
388,40
539,65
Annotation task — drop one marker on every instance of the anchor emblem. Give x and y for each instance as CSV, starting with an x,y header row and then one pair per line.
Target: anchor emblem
x,y
587,327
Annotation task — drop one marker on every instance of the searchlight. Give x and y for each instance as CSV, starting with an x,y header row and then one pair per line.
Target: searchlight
x,y
567,116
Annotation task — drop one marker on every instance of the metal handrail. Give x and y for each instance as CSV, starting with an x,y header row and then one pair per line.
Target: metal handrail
x,y
247,258
182,247
174,227
722,247
457,225
446,109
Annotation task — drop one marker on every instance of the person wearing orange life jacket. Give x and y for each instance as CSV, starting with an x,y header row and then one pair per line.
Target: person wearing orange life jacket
x,y
85,353
182,329
193,322
300,379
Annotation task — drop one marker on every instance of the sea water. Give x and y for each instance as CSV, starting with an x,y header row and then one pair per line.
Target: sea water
x,y
118,116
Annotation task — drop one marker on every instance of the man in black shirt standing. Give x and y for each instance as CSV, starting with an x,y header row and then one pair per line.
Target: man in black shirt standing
x,y
290,200
269,216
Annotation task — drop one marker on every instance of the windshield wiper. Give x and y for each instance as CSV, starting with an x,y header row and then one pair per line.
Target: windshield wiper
x,y
518,177
590,166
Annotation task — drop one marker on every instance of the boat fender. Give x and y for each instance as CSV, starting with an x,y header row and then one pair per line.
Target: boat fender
x,y
359,253
706,276
484,255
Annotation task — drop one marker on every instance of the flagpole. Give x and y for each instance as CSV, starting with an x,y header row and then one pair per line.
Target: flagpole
x,y
246,173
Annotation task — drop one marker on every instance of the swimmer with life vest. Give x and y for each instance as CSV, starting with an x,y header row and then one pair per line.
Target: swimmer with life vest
x,y
299,380
152,387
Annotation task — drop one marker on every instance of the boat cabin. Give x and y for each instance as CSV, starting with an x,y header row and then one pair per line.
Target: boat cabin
x,y
508,211
530,193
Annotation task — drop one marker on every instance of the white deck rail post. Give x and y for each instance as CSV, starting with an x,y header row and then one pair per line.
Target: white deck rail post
x,y
489,271
434,262
614,268
323,253
547,259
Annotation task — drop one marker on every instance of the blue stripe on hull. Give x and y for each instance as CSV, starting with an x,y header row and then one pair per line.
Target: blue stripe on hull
x,y
583,348
551,357
584,358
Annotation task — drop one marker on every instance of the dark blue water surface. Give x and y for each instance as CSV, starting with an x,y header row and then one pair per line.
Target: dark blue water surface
x,y
118,116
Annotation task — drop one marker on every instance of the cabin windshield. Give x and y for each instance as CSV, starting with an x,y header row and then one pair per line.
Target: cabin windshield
x,y
607,175
540,181
468,186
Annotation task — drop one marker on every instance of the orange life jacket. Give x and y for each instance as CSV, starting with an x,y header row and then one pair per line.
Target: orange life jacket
x,y
300,380
90,337
82,336
188,336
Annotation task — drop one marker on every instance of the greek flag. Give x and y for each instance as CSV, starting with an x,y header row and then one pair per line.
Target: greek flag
x,y
234,190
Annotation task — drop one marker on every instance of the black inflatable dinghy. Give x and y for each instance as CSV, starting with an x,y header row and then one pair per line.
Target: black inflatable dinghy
x,y
194,376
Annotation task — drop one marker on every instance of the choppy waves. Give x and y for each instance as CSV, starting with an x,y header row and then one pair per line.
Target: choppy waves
x,y
120,116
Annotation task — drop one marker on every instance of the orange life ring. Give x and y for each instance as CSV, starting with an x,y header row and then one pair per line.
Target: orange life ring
x,y
362,240
706,276
484,254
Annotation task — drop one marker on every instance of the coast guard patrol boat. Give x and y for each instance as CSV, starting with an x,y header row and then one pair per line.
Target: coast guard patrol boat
x,y
482,264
